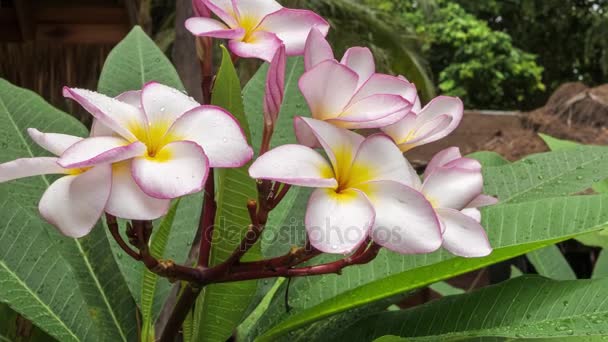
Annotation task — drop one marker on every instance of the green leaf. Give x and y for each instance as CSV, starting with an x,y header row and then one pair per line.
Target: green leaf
x,y
221,306
150,280
555,144
551,263
488,158
70,288
510,231
600,270
446,289
524,307
547,174
135,61
13,328
294,104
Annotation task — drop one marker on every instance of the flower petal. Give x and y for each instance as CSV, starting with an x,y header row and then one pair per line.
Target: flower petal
x,y
179,168
428,132
463,235
163,104
128,201
402,129
217,132
53,142
115,114
374,111
473,213
339,144
442,105
207,27
316,50
405,220
338,222
275,86
441,159
224,9
260,44
482,201
100,150
294,164
98,129
74,204
28,167
386,84
328,88
361,61
292,27
379,159
253,12
452,187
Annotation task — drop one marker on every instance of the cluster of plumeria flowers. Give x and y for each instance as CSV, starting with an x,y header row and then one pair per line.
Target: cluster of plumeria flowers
x,y
156,144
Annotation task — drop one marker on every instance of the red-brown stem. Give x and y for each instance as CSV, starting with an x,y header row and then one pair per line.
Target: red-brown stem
x,y
182,307
280,195
266,136
207,220
206,61
113,227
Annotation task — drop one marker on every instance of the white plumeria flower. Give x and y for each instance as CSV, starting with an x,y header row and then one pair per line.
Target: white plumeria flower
x,y
257,28
74,202
421,126
364,190
454,185
168,138
350,94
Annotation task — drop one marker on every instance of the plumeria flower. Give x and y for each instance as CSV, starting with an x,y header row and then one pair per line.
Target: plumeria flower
x,y
74,202
257,28
453,185
363,190
168,140
436,120
349,93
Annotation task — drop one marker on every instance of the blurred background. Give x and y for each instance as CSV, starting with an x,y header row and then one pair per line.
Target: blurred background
x,y
522,67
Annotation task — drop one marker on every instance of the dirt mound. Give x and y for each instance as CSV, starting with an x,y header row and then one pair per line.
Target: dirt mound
x,y
575,103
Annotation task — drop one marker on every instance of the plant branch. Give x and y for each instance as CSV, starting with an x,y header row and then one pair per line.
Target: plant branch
x,y
114,230
207,220
182,307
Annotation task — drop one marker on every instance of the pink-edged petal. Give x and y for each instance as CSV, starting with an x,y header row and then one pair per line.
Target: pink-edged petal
x,y
98,129
441,159
224,9
74,204
417,105
328,88
296,165
253,12
428,132
259,44
53,142
100,150
403,128
443,105
292,27
207,27
405,220
473,213
180,168
338,222
163,104
340,145
115,114
379,159
386,84
361,61
199,9
128,201
482,201
275,86
317,49
465,163
463,236
217,132
28,167
132,97
452,187
373,112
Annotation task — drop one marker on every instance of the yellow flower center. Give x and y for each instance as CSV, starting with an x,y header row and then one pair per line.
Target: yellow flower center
x,y
155,137
76,172
347,174
249,24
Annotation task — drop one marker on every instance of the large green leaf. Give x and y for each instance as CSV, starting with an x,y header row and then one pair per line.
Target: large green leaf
x,y
220,307
135,61
513,229
71,289
551,263
524,307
